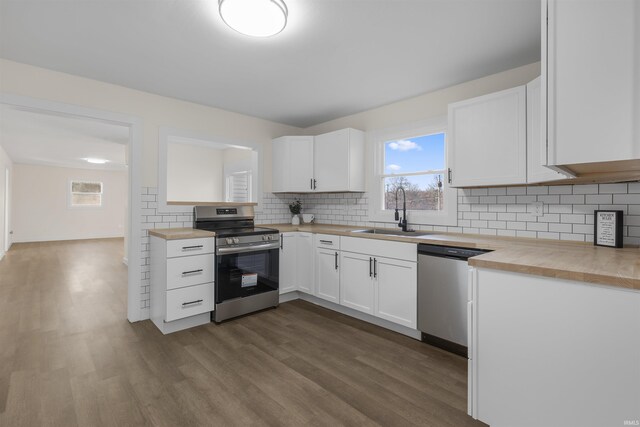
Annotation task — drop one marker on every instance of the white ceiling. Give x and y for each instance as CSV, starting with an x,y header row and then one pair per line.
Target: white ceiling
x,y
44,139
336,57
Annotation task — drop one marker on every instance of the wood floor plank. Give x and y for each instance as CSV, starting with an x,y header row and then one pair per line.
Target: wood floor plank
x,y
68,356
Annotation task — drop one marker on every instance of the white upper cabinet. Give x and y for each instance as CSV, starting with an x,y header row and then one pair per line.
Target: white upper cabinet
x,y
536,144
330,162
292,160
590,69
339,161
487,141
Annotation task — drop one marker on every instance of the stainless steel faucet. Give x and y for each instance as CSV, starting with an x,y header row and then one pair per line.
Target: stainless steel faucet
x,y
402,222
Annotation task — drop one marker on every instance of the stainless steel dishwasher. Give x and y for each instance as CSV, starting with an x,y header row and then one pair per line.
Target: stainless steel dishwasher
x,y
442,295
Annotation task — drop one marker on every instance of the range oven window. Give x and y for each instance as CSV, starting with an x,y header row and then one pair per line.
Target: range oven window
x,y
244,274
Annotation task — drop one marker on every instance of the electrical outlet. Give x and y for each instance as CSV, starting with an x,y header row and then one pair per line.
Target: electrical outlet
x,y
535,208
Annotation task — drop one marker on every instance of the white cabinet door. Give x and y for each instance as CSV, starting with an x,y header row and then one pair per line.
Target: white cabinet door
x,y
304,261
487,141
327,274
301,164
396,291
279,160
288,260
292,164
536,144
590,58
339,161
564,347
356,282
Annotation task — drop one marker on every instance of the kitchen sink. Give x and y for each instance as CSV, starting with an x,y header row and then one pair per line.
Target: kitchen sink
x,y
385,232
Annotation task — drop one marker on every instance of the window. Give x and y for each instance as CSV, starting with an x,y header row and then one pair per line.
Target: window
x,y
418,166
85,193
239,187
415,158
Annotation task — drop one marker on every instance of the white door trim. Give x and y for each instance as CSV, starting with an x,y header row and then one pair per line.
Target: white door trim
x,y
134,312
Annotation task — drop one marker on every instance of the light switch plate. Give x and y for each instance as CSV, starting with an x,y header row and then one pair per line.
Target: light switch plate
x,y
535,208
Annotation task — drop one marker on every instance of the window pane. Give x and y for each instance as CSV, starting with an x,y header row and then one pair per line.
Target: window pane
x,y
424,192
86,187
86,199
416,154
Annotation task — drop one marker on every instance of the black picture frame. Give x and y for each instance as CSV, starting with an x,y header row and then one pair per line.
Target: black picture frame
x,y
607,228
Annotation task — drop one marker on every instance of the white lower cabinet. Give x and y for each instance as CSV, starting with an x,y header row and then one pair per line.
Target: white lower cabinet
x,y
356,282
181,285
327,280
397,289
304,268
553,352
296,262
380,285
288,262
371,276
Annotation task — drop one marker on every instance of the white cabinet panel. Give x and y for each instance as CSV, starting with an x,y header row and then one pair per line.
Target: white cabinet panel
x,y
189,301
188,247
550,352
536,144
304,264
339,161
288,262
356,282
590,59
190,270
327,266
487,140
381,248
328,241
292,164
396,291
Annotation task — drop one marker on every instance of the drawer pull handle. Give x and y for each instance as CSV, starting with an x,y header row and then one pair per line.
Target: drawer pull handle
x,y
326,242
190,248
184,273
198,301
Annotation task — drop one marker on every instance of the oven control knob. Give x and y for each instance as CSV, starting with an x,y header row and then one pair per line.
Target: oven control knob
x,y
229,241
236,240
269,237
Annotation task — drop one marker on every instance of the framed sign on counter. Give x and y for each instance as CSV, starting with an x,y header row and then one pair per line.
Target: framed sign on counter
x,y
607,228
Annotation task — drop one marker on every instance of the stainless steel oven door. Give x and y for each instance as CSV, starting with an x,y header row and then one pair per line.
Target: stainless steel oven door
x,y
246,271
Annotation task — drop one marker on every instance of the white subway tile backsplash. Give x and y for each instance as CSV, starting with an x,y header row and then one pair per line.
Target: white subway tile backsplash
x,y
613,188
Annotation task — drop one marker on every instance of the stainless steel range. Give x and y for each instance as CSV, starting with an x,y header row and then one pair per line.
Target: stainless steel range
x,y
246,277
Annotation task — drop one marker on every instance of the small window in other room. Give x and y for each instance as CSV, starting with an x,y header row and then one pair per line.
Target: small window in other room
x,y
417,165
85,194
239,187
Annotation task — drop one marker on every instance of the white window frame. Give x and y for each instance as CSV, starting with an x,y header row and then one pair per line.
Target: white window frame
x,y
376,141
70,194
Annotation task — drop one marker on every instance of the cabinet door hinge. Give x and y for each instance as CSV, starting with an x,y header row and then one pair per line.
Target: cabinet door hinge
x,y
450,176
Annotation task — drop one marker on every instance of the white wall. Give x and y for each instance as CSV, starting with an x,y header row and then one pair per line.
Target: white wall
x,y
40,204
5,163
154,110
194,173
433,104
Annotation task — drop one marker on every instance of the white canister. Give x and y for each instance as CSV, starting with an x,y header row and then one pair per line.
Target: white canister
x,y
295,220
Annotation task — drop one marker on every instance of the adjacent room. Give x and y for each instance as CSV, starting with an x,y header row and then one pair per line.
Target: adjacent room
x,y
312,212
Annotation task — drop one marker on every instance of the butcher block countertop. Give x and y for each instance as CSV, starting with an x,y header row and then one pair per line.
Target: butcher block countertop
x,y
577,261
180,233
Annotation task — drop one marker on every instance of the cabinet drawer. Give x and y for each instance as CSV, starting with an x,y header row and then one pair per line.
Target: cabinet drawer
x,y
189,301
191,270
328,241
186,247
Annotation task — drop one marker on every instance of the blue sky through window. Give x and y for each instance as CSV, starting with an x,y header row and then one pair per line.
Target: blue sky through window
x,y
416,154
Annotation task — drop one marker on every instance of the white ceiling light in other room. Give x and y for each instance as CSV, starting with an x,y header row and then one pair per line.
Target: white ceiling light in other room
x,y
257,18
96,161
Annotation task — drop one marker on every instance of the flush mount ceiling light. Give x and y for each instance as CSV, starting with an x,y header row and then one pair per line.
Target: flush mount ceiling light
x,y
257,18
96,161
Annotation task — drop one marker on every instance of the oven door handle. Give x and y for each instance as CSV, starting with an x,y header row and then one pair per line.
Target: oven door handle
x,y
256,248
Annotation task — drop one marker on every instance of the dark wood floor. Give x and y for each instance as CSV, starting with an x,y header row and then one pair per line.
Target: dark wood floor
x,y
68,356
